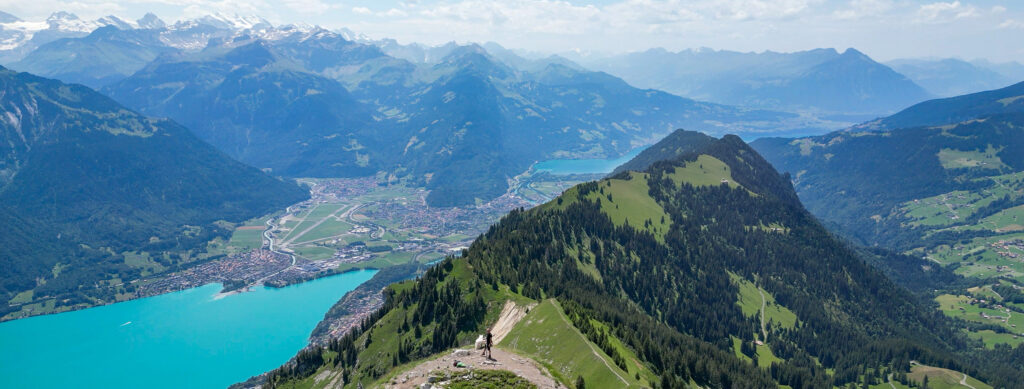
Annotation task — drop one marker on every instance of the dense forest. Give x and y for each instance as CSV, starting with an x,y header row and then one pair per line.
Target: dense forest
x,y
669,294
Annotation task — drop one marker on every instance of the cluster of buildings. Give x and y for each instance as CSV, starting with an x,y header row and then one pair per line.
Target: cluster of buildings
x,y
1006,248
416,216
352,254
302,271
246,266
344,188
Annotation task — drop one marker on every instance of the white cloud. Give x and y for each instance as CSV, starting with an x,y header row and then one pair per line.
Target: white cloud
x,y
394,12
361,10
524,15
761,9
857,9
1012,24
309,6
200,8
942,12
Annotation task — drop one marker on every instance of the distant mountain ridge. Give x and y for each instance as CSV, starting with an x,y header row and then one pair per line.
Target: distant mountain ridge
x,y
951,77
821,80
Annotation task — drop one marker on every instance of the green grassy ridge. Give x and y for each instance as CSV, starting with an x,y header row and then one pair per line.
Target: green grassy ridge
x,y
546,335
705,171
625,198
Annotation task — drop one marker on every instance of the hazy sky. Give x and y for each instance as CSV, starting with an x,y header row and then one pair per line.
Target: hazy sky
x,y
884,29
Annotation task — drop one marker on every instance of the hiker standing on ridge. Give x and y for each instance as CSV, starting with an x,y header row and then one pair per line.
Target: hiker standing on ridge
x,y
487,346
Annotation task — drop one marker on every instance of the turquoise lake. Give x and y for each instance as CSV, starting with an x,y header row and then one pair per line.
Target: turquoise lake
x,y
186,339
585,166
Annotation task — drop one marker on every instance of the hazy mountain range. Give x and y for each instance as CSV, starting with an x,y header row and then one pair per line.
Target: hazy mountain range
x,y
951,77
820,80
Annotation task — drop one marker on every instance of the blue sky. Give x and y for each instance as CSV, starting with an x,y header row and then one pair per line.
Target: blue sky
x,y
884,29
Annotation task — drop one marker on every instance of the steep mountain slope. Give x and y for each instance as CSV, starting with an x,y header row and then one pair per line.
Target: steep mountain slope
x,y
821,80
696,271
83,179
950,77
106,55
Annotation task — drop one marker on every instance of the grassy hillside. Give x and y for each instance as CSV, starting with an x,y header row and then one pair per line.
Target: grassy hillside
x,y
547,335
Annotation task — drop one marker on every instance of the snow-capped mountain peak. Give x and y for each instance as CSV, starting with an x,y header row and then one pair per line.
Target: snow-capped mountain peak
x,y
68,22
111,20
151,21
235,22
350,35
